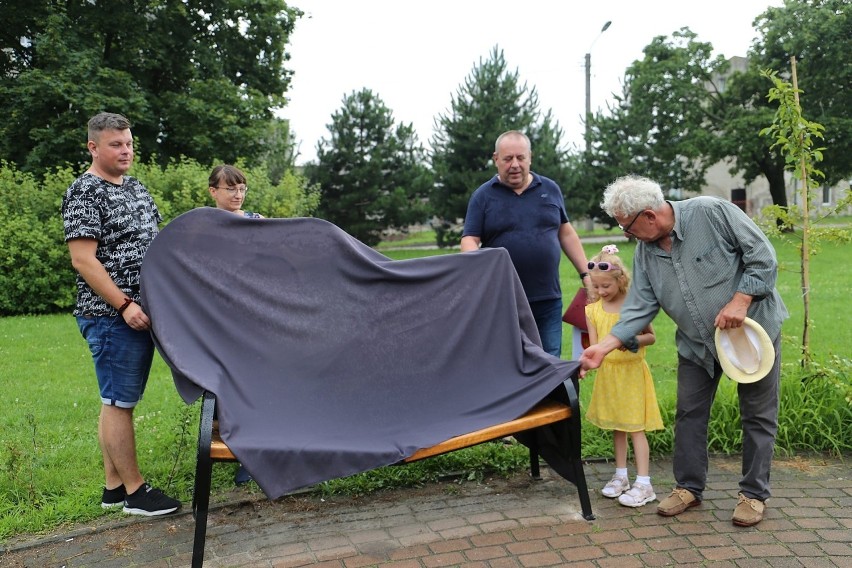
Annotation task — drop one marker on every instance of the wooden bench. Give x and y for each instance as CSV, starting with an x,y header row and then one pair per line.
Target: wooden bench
x,y
211,449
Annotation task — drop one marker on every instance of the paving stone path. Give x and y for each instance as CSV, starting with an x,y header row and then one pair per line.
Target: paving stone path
x,y
512,522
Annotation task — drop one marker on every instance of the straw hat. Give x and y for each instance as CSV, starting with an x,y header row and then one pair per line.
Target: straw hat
x,y
746,353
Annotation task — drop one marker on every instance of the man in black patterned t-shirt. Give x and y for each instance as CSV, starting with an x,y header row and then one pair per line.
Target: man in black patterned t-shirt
x,y
110,220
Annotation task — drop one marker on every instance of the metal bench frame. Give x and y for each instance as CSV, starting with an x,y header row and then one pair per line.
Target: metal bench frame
x,y
212,449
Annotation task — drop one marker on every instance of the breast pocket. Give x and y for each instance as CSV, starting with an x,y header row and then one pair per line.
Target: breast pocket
x,y
714,266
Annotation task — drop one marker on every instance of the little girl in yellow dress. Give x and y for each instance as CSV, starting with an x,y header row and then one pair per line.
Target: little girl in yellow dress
x,y
623,396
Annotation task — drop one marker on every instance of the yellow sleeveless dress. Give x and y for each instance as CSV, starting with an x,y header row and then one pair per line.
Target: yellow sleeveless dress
x,y
623,396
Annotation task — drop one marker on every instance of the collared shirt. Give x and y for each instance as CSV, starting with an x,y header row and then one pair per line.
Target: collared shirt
x,y
716,251
526,225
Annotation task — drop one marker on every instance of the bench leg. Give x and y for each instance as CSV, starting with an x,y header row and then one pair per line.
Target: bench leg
x,y
535,471
582,490
572,388
203,479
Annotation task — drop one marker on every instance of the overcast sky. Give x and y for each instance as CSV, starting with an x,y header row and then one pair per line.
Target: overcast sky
x,y
415,55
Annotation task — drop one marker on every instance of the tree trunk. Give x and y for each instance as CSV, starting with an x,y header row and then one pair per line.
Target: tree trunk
x,y
777,188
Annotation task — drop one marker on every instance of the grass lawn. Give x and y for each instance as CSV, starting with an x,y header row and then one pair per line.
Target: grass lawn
x,y
830,273
50,469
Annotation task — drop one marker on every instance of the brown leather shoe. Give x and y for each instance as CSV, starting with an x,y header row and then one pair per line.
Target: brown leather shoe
x,y
679,501
749,511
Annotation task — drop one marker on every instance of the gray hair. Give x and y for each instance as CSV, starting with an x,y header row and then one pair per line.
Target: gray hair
x,y
631,194
509,133
106,121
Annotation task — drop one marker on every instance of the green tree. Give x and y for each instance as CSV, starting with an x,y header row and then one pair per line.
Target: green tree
x,y
198,79
817,33
489,102
371,173
658,125
798,139
280,149
682,110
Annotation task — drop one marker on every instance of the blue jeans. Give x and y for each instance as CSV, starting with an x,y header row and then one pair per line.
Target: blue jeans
x,y
122,357
548,319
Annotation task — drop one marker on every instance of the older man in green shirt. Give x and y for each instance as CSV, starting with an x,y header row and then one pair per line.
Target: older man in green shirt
x,y
708,266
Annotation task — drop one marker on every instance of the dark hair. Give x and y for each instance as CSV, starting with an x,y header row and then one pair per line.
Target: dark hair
x,y
106,121
231,175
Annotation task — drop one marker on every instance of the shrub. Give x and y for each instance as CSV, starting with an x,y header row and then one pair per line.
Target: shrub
x,y
36,276
35,271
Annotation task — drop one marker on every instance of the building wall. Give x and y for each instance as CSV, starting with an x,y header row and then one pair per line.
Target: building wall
x,y
719,183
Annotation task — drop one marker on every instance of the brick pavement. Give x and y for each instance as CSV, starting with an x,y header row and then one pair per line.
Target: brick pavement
x,y
502,523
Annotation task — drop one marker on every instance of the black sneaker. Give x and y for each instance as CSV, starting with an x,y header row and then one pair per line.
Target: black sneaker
x,y
149,501
113,497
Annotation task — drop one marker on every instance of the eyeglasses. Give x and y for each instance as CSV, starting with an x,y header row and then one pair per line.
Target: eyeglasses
x,y
235,190
627,228
603,266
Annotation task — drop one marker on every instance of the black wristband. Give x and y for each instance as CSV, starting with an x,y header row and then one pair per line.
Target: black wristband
x,y
583,275
127,302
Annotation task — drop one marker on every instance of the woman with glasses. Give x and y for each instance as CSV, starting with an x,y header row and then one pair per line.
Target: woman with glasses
x,y
227,186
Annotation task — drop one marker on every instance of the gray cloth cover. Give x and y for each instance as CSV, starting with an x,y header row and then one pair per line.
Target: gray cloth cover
x,y
329,359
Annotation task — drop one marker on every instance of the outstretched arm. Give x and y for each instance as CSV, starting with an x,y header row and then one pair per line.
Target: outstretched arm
x,y
594,355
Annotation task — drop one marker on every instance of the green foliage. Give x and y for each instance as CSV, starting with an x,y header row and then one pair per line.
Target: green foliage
x,y
177,187
815,411
371,174
182,185
793,134
746,111
51,471
491,101
796,137
814,414
817,34
280,150
659,124
197,80
682,110
35,270
468,464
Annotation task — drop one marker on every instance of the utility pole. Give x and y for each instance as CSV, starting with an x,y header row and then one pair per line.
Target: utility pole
x,y
589,87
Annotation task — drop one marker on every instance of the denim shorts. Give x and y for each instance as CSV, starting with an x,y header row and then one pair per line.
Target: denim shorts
x,y
122,358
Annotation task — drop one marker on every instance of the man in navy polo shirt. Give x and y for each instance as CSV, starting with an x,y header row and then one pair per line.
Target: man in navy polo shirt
x,y
524,213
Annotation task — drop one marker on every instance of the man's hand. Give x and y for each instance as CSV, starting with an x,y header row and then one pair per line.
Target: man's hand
x,y
135,317
591,358
594,355
734,313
